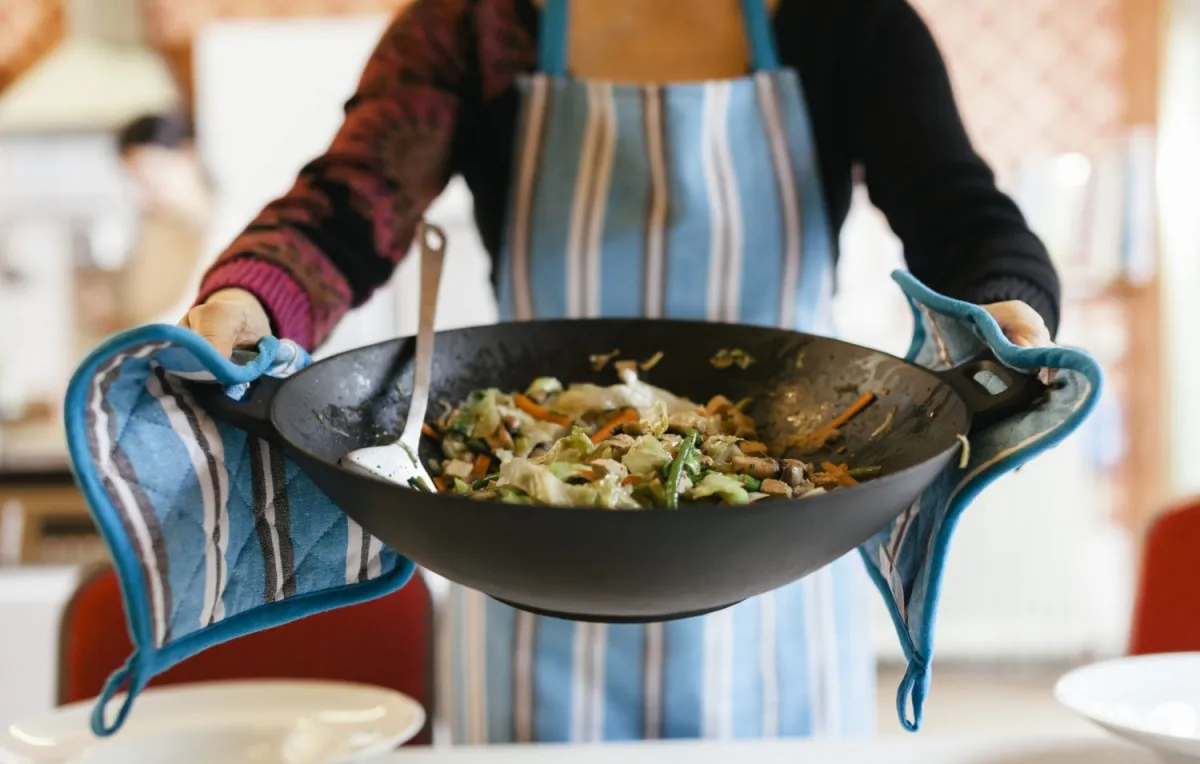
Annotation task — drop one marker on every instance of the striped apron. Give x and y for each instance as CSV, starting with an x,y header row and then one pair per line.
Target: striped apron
x,y
696,201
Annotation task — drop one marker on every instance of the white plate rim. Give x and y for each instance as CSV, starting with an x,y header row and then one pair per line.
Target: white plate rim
x,y
408,706
1062,691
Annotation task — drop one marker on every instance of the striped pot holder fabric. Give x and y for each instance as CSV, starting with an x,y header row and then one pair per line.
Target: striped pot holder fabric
x,y
214,534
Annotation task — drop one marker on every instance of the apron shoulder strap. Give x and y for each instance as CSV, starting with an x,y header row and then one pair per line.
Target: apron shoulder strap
x,y
555,28
552,38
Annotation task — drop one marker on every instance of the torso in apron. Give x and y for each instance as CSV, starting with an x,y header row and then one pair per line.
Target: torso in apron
x,y
701,201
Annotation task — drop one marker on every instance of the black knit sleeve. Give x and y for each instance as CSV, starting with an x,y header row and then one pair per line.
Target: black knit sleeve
x,y
962,236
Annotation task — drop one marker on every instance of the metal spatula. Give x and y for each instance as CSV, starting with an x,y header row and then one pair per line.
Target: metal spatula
x,y
400,462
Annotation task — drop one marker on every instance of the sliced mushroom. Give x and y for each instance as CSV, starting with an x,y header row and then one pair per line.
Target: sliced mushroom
x,y
761,467
606,467
618,445
796,474
774,487
687,420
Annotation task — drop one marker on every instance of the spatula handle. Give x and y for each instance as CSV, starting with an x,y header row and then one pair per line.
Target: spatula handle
x,y
433,252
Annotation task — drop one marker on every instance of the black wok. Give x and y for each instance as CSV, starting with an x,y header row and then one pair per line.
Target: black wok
x,y
630,566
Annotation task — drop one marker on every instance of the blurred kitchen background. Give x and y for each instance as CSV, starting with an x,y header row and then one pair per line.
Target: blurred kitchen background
x,y
1089,110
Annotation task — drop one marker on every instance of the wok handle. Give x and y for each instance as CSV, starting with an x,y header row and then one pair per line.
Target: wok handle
x,y
251,414
985,407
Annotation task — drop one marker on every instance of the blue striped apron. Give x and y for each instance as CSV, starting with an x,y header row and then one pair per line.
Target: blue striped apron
x,y
692,200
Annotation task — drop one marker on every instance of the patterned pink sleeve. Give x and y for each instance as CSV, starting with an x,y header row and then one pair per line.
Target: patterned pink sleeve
x,y
350,217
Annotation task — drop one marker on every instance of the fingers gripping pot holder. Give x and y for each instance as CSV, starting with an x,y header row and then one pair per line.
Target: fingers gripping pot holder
x,y
216,534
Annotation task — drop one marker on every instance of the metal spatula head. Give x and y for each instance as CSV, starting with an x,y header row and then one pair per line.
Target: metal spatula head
x,y
400,462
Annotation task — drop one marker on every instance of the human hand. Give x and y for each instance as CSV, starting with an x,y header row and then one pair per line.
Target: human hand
x,y
229,319
1020,323
1024,327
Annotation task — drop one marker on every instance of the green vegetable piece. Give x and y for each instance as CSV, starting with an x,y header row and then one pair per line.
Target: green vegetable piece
x,y
650,494
752,484
687,452
463,423
416,482
478,445
864,472
483,482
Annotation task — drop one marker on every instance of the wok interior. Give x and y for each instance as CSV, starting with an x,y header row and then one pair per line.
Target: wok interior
x,y
797,383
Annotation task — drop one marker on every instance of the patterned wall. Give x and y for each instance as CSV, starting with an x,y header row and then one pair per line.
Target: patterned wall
x,y
1034,75
28,29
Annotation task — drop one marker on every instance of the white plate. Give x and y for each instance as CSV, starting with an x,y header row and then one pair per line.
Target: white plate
x,y
271,722
1152,700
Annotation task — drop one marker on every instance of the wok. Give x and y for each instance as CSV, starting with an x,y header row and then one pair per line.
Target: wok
x,y
630,566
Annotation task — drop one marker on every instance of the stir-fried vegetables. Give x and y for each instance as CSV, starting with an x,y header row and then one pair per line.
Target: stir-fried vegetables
x,y
626,446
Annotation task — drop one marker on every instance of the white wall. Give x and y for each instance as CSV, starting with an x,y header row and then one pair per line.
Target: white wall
x,y
47,184
1178,170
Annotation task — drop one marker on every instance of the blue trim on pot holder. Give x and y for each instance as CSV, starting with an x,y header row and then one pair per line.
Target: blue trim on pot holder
x,y
916,640
147,660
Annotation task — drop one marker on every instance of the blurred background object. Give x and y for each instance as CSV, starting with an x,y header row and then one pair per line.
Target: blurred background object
x,y
1071,102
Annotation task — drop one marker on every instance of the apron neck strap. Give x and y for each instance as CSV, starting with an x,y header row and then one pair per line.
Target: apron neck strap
x,y
555,30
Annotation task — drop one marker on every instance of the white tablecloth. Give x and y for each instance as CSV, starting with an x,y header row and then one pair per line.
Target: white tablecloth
x,y
914,750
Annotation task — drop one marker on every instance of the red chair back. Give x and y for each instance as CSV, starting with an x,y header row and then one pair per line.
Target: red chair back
x,y
387,642
1166,615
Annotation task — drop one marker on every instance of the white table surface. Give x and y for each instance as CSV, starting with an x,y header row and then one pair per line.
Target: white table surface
x,y
897,750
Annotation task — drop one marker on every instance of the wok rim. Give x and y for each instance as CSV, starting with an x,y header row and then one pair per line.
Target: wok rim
x,y
760,506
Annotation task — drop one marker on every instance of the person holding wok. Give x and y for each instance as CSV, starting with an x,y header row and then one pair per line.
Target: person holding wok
x,y
659,159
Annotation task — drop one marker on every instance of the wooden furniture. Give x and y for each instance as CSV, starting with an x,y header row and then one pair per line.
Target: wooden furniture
x,y
387,642
43,500
37,487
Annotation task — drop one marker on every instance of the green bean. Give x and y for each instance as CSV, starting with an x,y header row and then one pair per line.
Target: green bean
x,y
686,449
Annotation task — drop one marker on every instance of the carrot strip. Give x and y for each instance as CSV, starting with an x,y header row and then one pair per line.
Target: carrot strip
x,y
818,437
839,473
441,485
605,432
631,480
853,411
429,432
540,412
483,463
588,475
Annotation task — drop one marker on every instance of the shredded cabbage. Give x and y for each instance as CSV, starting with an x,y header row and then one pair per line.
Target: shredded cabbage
x,y
542,387
727,487
541,485
487,415
576,448
647,455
